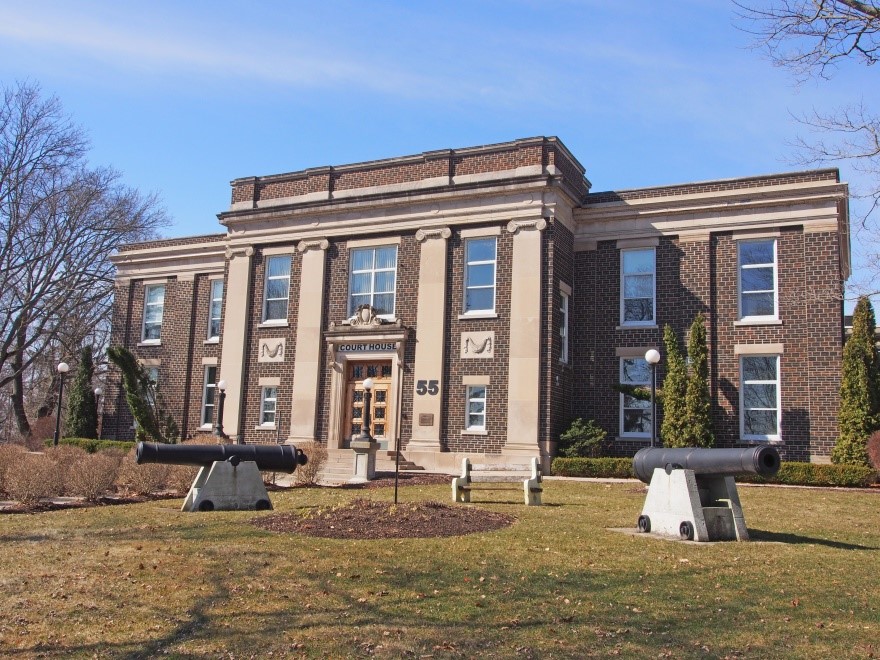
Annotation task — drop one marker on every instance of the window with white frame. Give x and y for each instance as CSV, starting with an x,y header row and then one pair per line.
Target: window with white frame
x,y
479,275
759,397
373,279
267,407
638,286
209,396
277,288
154,309
635,413
757,279
563,326
215,309
476,408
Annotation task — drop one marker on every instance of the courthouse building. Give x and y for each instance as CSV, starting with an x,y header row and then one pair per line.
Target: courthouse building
x,y
492,298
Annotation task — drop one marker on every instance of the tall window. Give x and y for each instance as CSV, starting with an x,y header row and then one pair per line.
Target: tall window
x,y
154,309
563,326
267,408
479,280
476,408
277,288
373,279
637,287
757,279
759,397
635,414
215,309
209,396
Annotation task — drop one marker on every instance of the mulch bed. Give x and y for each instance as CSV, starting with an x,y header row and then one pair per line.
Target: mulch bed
x,y
367,519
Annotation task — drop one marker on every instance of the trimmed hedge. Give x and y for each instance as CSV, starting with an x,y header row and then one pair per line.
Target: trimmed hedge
x,y
92,446
790,473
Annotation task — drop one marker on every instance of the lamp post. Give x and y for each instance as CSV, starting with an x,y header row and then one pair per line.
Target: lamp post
x,y
221,387
62,369
98,393
652,357
365,425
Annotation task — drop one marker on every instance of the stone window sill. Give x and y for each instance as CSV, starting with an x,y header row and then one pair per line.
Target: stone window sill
x,y
206,427
150,342
213,340
748,322
475,432
637,327
274,324
636,438
477,315
773,441
266,427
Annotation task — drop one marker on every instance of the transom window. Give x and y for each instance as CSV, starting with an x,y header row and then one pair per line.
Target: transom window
x,y
277,288
373,279
267,408
209,396
154,310
215,309
635,414
637,286
476,408
757,279
759,397
479,282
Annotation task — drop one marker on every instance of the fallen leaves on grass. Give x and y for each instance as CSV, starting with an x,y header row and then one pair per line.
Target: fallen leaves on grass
x,y
368,519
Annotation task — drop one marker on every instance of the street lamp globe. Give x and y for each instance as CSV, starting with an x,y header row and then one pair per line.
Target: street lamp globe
x,y
221,386
63,367
98,391
368,384
652,357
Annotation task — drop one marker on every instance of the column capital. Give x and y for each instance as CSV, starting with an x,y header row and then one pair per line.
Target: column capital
x,y
239,251
514,226
425,233
312,244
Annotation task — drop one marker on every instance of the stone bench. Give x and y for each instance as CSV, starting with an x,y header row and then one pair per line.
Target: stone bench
x,y
472,474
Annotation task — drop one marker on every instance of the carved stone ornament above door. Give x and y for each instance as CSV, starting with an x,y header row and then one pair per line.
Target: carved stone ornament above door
x,y
272,350
478,344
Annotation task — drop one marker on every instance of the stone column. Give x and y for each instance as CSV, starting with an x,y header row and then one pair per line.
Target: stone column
x,y
427,409
523,393
235,323
307,360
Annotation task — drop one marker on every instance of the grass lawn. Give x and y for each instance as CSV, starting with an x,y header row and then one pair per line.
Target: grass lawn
x,y
146,580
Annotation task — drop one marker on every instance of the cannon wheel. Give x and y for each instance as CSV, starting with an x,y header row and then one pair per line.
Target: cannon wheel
x,y
644,524
686,531
263,505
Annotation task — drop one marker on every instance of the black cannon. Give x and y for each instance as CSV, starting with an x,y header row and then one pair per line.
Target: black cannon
x,y
763,460
692,492
272,458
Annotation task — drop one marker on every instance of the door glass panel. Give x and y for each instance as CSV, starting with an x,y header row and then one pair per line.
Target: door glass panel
x,y
378,429
380,396
379,413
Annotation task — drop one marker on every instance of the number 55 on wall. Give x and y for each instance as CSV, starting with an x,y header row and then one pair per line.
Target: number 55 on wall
x,y
424,387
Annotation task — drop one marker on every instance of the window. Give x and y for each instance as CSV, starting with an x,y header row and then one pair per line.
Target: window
x,y
154,308
476,408
635,414
215,309
153,375
757,279
267,408
637,287
373,279
479,280
277,288
209,397
759,397
563,326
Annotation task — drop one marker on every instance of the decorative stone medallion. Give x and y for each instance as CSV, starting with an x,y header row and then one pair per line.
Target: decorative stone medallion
x,y
272,350
478,344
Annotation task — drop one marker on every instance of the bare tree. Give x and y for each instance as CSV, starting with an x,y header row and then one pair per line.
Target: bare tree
x,y
59,222
813,38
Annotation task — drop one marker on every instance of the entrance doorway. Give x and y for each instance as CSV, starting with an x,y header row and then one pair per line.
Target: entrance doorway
x,y
381,405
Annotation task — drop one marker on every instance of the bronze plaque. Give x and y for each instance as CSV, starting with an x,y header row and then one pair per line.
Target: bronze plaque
x,y
426,419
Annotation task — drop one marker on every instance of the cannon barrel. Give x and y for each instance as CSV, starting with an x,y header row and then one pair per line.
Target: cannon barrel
x,y
275,458
763,460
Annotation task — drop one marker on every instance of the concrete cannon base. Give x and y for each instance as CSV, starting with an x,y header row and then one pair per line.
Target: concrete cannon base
x,y
223,486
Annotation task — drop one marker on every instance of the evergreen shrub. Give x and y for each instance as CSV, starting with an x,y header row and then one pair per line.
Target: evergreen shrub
x,y
581,439
93,446
620,468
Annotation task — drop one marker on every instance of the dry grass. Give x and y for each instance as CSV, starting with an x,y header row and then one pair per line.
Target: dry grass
x,y
146,580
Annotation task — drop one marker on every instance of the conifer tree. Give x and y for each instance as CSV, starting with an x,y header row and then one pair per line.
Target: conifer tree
x,y
698,401
859,412
673,429
82,414
153,421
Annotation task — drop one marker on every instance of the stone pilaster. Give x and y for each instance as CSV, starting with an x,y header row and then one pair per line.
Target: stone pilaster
x,y
232,361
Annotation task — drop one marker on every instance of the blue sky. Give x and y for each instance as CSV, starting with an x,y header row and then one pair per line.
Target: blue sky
x,y
182,97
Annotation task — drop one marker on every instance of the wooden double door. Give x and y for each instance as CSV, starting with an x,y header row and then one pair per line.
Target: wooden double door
x,y
381,406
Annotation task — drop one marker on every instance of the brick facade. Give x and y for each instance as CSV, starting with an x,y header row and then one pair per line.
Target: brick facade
x,y
490,189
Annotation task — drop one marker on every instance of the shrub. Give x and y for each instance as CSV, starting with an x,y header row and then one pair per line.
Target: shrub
x,y
63,457
307,475
180,478
142,479
10,454
91,476
874,450
91,445
620,468
581,439
82,411
673,427
31,478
